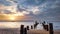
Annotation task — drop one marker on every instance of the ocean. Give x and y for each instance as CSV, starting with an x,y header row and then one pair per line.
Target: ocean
x,y
56,25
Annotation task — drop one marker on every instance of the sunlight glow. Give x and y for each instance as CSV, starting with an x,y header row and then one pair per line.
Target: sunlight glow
x,y
12,13
11,18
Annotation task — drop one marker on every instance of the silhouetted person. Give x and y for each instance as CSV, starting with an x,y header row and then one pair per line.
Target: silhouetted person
x,y
31,27
27,27
43,24
35,25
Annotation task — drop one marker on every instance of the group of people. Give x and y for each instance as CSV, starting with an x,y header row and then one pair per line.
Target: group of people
x,y
45,26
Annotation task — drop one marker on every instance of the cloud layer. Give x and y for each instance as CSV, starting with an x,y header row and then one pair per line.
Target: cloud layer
x,y
41,9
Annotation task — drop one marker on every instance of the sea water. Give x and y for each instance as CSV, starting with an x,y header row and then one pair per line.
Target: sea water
x,y
56,25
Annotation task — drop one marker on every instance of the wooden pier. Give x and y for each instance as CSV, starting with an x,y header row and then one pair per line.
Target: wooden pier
x,y
25,30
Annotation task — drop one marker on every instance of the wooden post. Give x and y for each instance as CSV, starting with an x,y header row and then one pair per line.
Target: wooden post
x,y
25,30
22,29
31,27
27,27
51,28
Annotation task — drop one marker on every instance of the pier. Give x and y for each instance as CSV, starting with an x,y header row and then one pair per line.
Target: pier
x,y
47,29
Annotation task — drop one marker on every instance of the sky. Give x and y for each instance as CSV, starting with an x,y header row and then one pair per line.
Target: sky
x,y
41,10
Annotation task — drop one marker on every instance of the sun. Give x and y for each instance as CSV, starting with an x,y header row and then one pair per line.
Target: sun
x,y
12,18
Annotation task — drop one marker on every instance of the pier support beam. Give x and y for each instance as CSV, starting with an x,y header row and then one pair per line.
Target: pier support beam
x,y
25,30
51,28
27,27
22,29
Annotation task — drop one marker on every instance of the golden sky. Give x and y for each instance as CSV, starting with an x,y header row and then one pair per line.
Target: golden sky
x,y
12,17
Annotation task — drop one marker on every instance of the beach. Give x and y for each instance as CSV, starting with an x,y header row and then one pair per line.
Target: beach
x,y
38,32
14,28
56,31
32,31
42,32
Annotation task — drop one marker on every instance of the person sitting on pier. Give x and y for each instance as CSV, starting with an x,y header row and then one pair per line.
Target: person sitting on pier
x,y
45,26
35,25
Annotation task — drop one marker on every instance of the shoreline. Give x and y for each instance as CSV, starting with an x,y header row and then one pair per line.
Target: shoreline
x,y
31,31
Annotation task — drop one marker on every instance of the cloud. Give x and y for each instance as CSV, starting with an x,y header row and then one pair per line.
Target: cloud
x,y
6,3
40,8
13,7
35,10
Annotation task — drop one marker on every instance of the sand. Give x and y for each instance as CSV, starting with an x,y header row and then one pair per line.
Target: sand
x,y
56,31
42,32
38,32
17,31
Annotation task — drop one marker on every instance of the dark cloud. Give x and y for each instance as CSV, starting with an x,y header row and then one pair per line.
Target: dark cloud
x,y
4,2
33,2
7,12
